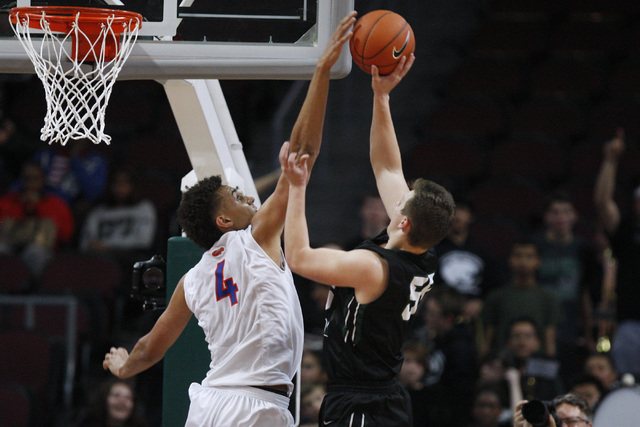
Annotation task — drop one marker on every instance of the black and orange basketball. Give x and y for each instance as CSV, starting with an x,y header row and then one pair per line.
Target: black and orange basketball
x,y
381,38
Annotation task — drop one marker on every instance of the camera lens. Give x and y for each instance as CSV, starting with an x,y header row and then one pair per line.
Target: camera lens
x,y
153,278
536,413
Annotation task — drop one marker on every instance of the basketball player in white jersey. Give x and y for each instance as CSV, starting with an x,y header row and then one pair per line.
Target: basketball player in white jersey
x,y
242,291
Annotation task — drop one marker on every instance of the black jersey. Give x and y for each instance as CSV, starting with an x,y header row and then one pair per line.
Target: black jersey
x,y
364,341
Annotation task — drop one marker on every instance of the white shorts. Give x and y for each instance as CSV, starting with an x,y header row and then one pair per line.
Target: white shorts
x,y
241,406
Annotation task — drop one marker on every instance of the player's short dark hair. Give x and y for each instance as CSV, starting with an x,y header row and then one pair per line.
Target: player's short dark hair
x,y
196,213
577,401
431,211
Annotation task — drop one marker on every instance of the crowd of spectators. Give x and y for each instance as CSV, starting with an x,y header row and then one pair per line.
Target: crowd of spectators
x,y
548,309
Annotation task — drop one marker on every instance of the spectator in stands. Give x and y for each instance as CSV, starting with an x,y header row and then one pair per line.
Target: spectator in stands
x,y
494,373
312,369
15,148
571,410
311,397
538,373
463,264
623,231
488,406
412,376
123,225
113,405
569,268
522,297
453,364
34,223
589,387
77,172
602,366
373,219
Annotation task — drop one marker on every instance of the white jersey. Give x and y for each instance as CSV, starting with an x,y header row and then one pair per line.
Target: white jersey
x,y
250,313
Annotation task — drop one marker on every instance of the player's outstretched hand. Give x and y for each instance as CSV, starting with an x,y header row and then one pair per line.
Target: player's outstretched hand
x,y
295,169
384,84
339,37
114,360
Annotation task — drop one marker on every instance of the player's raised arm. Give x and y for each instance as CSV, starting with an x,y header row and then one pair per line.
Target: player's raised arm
x,y
384,149
306,136
358,269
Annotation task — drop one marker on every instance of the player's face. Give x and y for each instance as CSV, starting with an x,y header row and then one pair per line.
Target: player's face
x,y
238,207
397,215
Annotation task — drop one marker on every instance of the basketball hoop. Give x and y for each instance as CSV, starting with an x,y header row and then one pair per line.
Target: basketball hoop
x,y
77,84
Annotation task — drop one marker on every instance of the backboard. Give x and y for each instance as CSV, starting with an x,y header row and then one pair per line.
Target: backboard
x,y
202,39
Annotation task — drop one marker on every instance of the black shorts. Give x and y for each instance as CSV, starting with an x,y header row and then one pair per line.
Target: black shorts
x,y
375,404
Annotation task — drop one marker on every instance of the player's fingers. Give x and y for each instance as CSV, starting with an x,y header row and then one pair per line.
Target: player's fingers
x,y
347,20
405,65
284,150
410,62
374,72
343,28
292,159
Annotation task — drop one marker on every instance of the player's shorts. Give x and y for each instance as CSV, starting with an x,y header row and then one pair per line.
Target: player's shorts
x,y
237,407
370,404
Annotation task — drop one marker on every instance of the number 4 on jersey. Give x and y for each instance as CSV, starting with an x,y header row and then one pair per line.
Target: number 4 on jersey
x,y
225,287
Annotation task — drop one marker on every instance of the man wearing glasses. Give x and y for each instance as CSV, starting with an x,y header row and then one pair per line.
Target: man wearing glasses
x,y
571,410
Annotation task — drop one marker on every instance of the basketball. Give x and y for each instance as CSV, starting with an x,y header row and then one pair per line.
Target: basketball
x,y
381,38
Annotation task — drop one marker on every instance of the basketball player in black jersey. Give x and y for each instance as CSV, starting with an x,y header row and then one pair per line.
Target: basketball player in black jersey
x,y
376,288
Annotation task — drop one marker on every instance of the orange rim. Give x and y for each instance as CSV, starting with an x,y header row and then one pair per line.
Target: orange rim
x,y
60,17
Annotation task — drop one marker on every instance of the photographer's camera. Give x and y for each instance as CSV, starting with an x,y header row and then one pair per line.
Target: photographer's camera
x,y
537,412
149,283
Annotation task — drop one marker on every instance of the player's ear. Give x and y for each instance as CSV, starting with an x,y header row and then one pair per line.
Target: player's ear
x,y
223,223
405,224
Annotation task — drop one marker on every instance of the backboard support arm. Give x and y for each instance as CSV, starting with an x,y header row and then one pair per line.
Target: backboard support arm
x,y
209,134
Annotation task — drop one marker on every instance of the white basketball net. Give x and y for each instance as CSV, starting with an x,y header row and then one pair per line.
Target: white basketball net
x,y
77,95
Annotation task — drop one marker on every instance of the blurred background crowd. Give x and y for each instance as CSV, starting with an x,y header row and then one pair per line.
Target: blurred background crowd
x,y
527,111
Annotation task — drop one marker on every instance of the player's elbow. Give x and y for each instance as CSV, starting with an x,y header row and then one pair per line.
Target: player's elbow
x,y
293,259
296,260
